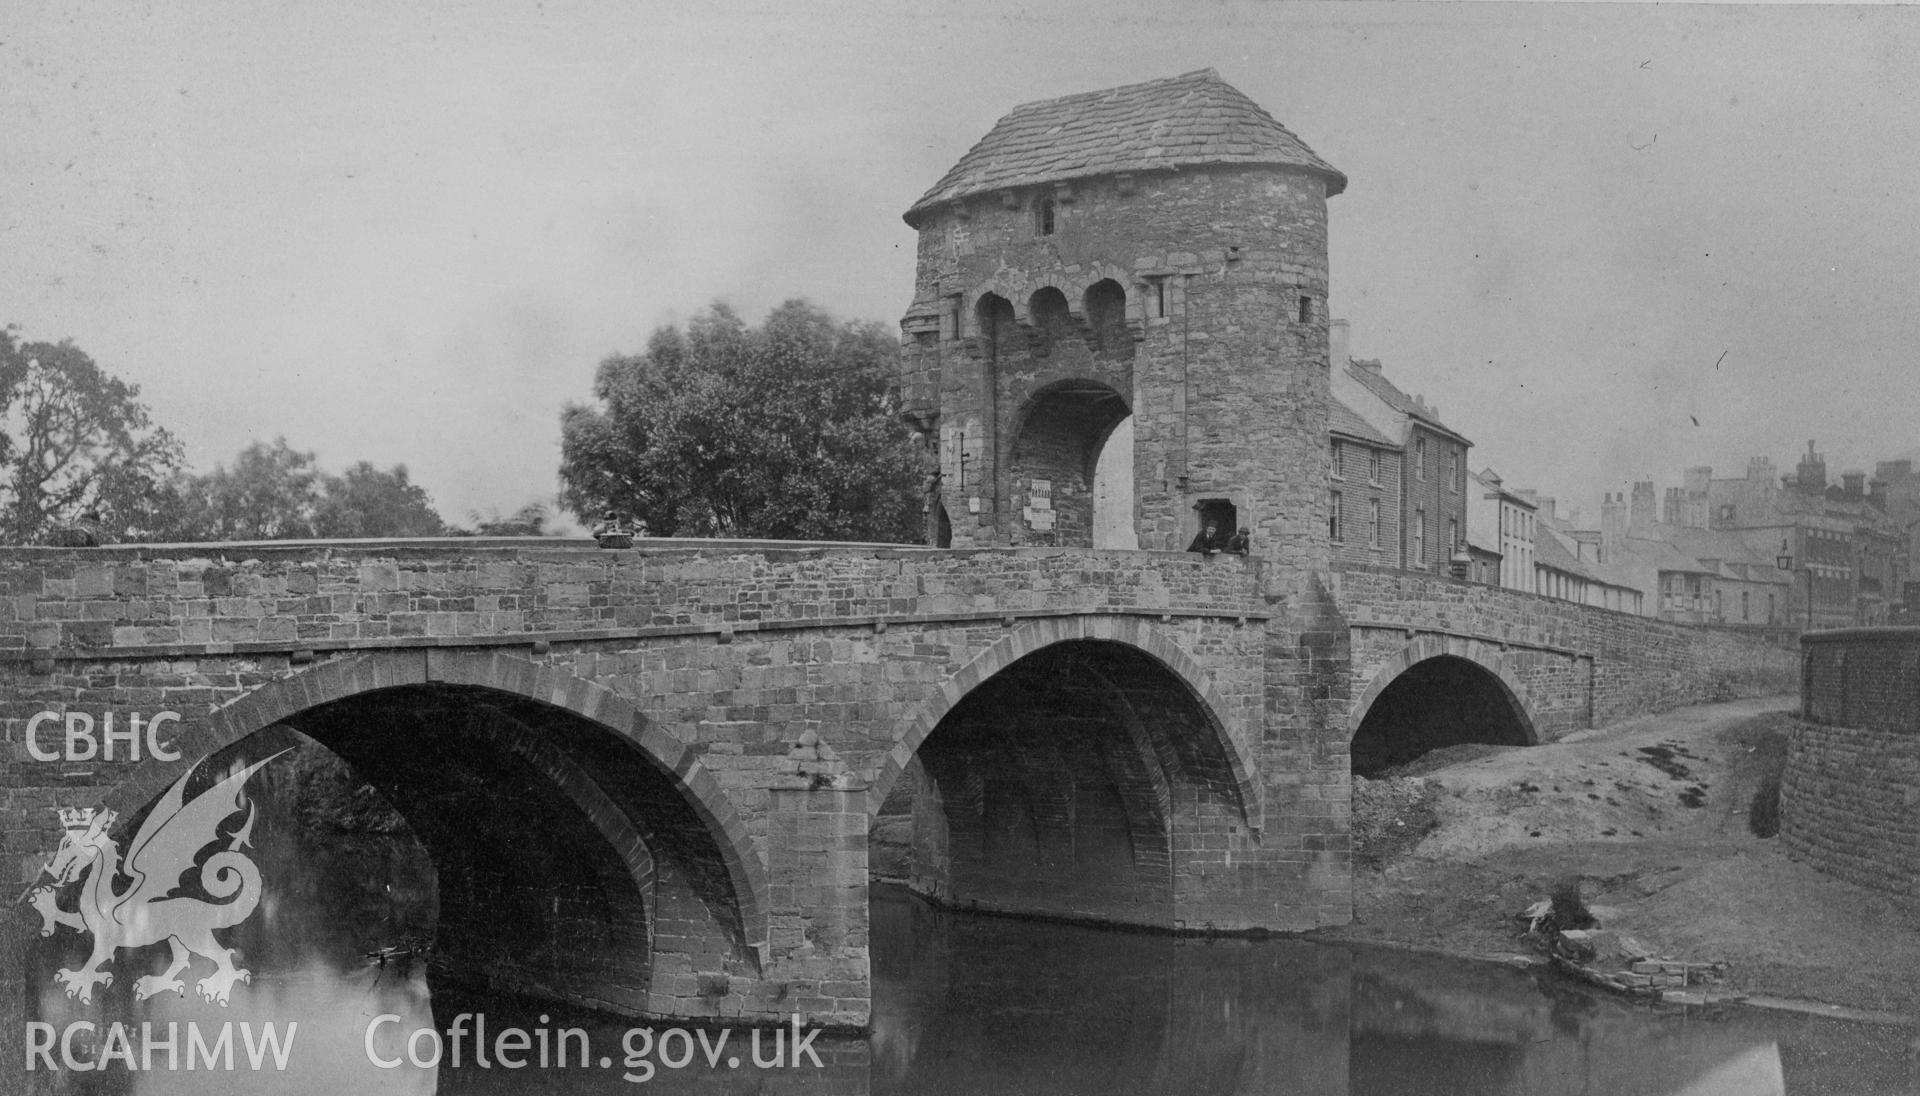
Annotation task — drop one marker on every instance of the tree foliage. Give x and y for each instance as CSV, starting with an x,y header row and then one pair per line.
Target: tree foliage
x,y
786,430
268,493
369,502
75,441
276,492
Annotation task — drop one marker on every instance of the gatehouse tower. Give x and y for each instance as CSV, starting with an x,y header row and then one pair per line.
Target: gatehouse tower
x,y
1119,326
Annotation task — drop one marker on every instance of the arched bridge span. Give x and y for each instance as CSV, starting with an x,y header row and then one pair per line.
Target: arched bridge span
x,y
698,735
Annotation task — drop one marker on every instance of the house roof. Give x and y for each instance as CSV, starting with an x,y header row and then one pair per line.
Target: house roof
x,y
1549,552
1346,422
1721,552
1181,121
1492,482
1665,557
1372,381
1859,511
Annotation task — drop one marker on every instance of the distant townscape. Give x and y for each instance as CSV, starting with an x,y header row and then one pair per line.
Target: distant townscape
x,y
1765,551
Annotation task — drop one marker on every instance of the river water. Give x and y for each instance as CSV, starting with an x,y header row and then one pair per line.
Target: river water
x,y
962,1004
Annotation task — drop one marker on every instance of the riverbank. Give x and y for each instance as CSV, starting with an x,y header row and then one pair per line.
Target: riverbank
x,y
1655,819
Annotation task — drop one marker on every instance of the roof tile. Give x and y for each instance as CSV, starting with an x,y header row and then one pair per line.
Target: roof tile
x,y
1390,394
1196,118
1343,420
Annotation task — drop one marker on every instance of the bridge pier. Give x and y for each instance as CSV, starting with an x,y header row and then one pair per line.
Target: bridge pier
x,y
817,963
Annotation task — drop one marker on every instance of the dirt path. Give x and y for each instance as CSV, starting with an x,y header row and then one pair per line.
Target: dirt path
x,y
1652,817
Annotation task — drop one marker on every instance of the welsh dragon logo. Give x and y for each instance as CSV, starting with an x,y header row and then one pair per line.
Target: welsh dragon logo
x,y
149,909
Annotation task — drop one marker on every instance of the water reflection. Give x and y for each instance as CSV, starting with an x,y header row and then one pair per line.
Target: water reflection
x,y
962,1004
969,1004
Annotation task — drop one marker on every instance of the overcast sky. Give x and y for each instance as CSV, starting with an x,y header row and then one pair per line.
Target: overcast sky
x,y
1608,241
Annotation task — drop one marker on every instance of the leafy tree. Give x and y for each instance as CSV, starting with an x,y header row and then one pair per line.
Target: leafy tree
x,y
276,492
367,502
271,492
786,430
75,442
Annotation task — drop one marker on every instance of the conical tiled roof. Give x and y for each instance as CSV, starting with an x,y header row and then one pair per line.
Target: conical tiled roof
x,y
1181,121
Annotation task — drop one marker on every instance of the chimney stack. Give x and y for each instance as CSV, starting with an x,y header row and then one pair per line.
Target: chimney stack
x,y
1338,334
1813,472
1855,485
1641,516
1613,526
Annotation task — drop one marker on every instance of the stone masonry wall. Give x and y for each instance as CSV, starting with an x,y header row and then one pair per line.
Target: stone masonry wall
x,y
1850,805
1850,798
1864,677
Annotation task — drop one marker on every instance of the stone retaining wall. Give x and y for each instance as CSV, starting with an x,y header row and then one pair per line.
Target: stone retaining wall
x,y
1850,798
1864,677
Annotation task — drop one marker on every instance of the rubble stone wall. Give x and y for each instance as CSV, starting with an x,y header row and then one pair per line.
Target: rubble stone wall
x,y
1850,797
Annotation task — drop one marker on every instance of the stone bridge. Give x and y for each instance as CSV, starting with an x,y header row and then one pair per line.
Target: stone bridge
x,y
647,777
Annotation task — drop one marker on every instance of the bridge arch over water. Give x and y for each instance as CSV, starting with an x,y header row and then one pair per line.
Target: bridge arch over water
x,y
579,851
1079,768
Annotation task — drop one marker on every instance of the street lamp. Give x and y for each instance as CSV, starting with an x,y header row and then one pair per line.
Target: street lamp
x,y
1784,561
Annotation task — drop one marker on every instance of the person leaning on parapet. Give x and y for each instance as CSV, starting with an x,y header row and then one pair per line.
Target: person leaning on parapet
x,y
1242,542
1211,541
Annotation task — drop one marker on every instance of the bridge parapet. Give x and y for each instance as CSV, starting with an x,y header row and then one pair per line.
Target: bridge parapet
x,y
149,601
